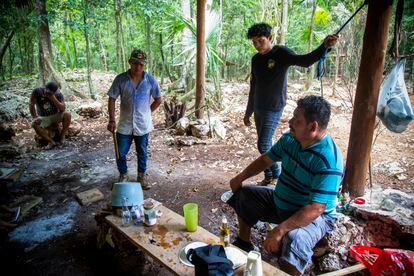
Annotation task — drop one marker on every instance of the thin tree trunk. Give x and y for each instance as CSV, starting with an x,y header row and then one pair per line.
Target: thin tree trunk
x,y
337,57
28,50
65,37
47,71
75,50
164,62
4,47
185,41
201,54
11,62
120,53
311,70
284,23
100,45
148,38
88,58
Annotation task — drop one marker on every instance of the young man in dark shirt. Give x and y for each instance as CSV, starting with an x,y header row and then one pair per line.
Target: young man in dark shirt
x,y
267,96
47,107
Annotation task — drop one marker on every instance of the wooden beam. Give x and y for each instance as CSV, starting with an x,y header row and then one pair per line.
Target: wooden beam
x,y
345,271
366,97
201,54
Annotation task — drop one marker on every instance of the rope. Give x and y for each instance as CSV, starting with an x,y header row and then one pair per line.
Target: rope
x,y
320,68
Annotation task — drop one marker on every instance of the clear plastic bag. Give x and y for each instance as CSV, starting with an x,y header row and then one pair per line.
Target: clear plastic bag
x,y
394,108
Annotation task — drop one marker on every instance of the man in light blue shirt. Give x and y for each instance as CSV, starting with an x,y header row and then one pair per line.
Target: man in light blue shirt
x,y
136,88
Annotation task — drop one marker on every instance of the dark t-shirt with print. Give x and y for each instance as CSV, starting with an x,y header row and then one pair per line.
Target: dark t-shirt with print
x,y
269,76
44,106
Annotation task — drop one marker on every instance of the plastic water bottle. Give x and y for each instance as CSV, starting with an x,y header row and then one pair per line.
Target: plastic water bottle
x,y
126,214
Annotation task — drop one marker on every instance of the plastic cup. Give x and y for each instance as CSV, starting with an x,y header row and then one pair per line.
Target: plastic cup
x,y
191,216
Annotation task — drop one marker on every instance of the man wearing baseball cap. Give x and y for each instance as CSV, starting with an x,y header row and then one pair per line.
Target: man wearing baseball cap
x,y
136,88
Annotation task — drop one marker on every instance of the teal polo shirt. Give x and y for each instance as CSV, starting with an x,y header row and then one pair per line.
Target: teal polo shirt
x,y
313,174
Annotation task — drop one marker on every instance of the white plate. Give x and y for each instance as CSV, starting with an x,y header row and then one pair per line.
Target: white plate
x,y
193,245
226,196
237,257
183,257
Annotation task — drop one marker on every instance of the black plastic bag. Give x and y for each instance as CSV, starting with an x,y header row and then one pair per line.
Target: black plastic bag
x,y
210,260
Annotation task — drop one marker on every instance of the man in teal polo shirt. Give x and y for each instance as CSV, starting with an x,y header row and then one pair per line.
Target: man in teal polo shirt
x,y
304,200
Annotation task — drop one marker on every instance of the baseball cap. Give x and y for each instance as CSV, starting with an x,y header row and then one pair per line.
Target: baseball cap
x,y
138,55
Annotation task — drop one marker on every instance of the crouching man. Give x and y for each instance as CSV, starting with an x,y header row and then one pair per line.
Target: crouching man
x,y
47,107
304,199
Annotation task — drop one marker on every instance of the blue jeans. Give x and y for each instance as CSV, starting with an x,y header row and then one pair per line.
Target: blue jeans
x,y
141,147
266,124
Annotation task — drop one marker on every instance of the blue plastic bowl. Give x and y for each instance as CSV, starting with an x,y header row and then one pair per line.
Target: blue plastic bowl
x,y
130,190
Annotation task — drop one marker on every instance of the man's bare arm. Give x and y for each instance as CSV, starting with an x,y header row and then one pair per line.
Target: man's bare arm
x,y
111,111
257,166
61,106
156,103
32,107
301,218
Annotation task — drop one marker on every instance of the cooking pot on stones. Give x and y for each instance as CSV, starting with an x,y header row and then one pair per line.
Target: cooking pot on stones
x,y
130,190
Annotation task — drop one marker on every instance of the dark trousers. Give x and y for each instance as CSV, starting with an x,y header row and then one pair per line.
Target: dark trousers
x,y
266,124
141,147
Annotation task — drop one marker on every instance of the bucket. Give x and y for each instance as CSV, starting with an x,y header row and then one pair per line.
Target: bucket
x,y
130,190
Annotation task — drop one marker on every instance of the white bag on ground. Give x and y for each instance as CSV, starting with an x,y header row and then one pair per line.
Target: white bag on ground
x,y
394,108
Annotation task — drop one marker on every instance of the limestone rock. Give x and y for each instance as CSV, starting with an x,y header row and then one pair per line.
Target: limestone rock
x,y
74,129
182,126
330,262
200,131
90,110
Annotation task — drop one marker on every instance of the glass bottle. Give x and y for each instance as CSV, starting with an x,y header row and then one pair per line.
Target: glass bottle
x,y
150,217
125,214
136,214
224,232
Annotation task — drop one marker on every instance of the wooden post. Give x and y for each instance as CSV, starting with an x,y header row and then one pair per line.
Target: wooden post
x,y
366,98
201,54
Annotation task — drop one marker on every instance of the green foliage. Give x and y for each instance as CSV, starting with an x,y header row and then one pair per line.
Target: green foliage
x,y
229,52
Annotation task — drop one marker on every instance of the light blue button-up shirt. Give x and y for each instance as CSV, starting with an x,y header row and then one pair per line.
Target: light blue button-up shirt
x,y
135,117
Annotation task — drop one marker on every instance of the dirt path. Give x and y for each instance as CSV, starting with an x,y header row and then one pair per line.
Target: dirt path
x,y
58,236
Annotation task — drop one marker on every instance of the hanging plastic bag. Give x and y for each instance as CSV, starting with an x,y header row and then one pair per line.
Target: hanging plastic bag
x,y
392,262
394,108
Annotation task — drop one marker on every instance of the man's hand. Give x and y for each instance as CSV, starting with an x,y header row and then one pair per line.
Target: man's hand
x,y
330,41
111,126
37,120
273,242
246,120
236,183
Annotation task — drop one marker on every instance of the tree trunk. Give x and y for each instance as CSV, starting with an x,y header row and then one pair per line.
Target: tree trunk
x,y
98,41
337,57
284,23
366,98
88,57
65,37
30,64
4,47
164,61
201,54
47,71
75,50
120,53
186,42
148,38
11,62
311,70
